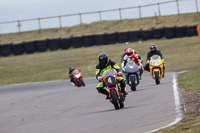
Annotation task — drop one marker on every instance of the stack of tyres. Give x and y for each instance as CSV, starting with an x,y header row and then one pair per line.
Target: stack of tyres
x,y
88,40
29,47
134,36
170,32
123,37
54,44
111,38
41,46
18,49
65,43
191,30
100,39
180,31
158,33
77,42
146,35
6,50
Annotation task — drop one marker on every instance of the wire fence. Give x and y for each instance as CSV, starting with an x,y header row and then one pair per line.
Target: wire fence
x,y
120,14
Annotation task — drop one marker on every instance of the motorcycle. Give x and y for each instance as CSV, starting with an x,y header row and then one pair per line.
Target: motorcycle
x,y
156,68
116,96
132,74
78,78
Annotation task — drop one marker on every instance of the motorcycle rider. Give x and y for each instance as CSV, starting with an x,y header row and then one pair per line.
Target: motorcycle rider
x,y
104,64
123,55
71,69
154,51
130,55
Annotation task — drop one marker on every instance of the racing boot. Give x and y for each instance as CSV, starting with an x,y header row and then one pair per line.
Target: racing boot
x,y
124,90
107,94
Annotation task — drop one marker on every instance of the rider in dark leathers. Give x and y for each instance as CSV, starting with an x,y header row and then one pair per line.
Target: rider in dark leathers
x,y
154,51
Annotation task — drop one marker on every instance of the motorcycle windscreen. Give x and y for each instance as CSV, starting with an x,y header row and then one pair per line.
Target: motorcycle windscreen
x,y
131,67
75,71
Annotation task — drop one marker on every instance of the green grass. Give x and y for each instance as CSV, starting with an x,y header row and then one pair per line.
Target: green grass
x,y
190,80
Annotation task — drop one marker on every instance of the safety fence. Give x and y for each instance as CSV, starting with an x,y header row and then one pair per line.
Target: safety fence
x,y
156,9
98,39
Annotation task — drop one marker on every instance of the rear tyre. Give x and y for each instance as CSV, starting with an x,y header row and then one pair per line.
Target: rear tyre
x,y
133,86
157,78
114,98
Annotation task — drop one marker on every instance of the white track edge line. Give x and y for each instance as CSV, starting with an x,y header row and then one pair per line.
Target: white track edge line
x,y
178,109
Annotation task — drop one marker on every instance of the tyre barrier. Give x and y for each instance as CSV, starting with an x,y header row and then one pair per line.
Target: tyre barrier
x,y
170,32
111,38
54,44
99,39
18,49
41,46
29,47
134,36
123,37
191,31
65,43
146,35
88,40
6,50
77,42
158,33
180,31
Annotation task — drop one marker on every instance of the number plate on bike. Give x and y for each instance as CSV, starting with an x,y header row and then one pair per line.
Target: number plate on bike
x,y
110,80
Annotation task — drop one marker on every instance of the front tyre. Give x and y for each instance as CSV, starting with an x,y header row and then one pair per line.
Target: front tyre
x,y
157,77
133,86
114,98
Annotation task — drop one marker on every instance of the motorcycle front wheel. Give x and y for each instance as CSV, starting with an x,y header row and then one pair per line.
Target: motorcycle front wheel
x,y
157,78
133,86
114,98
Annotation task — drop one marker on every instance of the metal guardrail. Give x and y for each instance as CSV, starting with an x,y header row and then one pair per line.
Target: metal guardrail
x,y
99,12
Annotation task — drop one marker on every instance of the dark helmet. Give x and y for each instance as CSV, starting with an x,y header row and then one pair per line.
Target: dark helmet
x,y
103,58
126,48
153,47
71,68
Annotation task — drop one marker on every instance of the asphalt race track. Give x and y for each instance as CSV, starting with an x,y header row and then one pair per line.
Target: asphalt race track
x,y
59,107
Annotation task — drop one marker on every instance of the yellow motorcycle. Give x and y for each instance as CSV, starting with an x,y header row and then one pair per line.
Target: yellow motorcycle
x,y
156,68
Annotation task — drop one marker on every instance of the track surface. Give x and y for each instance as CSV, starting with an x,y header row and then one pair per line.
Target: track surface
x,y
59,107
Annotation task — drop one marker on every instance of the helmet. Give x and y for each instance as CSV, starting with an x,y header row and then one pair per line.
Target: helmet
x,y
153,47
129,52
103,58
70,68
126,48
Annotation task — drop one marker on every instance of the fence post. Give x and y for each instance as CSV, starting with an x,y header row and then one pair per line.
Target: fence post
x,y
60,21
178,6
140,12
159,9
80,18
19,26
100,16
197,6
39,24
120,15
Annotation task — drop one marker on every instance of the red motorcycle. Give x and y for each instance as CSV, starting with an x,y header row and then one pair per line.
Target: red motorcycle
x,y
116,97
78,78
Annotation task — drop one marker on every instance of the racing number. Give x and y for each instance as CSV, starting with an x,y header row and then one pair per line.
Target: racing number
x,y
109,80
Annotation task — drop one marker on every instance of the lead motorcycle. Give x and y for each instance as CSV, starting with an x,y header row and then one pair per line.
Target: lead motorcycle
x,y
78,78
132,74
116,96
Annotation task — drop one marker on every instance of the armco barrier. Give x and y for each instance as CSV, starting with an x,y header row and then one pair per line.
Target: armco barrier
x,y
134,36
18,49
6,50
123,37
41,46
111,38
191,30
65,43
181,31
77,42
100,39
170,32
146,35
88,40
29,47
158,33
54,44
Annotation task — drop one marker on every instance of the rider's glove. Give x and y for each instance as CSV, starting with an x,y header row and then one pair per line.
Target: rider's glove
x,y
120,74
99,79
147,61
139,67
163,60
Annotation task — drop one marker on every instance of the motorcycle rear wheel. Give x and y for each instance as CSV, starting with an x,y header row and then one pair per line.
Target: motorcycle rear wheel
x,y
114,98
